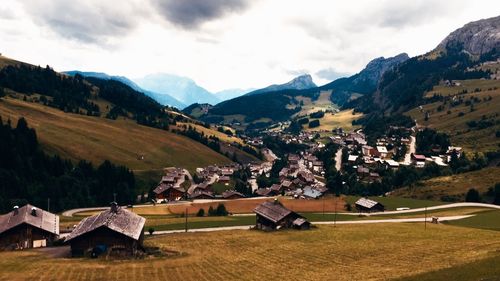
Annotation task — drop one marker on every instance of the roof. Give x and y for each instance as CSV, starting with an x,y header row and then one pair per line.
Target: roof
x,y
382,149
392,163
202,193
272,211
43,219
122,221
311,193
352,157
299,221
367,203
229,193
419,156
164,187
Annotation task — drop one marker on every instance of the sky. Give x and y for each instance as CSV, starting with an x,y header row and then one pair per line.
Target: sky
x,y
223,44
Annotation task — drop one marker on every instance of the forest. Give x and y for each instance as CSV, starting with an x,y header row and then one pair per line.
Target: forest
x,y
29,175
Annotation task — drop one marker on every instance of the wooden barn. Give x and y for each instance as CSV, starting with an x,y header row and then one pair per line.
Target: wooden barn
x,y
115,232
28,227
366,205
274,216
168,192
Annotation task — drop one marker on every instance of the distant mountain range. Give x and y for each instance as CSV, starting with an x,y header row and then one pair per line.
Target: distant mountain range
x,y
163,99
301,82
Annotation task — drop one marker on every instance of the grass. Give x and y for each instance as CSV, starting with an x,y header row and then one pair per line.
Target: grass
x,y
455,186
347,252
332,121
220,187
121,141
322,103
473,140
391,203
486,220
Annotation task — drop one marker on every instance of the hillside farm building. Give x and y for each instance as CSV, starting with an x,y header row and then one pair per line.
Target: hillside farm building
x,y
366,205
274,216
116,231
28,227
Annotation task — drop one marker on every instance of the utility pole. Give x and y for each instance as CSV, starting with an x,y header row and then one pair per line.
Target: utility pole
x,y
425,220
186,222
335,212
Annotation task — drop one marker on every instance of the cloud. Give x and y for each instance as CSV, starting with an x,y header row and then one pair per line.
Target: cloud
x,y
190,14
92,21
330,74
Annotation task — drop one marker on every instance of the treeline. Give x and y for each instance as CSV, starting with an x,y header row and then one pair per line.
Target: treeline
x,y
430,142
27,174
210,141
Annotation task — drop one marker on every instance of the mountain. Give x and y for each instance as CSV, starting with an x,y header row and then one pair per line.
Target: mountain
x,y
365,82
163,99
181,88
455,58
232,93
477,37
301,82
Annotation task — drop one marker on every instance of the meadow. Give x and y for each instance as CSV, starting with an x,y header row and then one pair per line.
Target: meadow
x,y
455,186
121,141
342,119
344,252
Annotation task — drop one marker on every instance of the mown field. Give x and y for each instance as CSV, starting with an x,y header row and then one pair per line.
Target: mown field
x,y
455,186
346,252
96,139
450,121
331,121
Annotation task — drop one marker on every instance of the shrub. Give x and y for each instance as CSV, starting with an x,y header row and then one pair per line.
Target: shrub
x,y
151,231
472,196
201,213
221,210
314,124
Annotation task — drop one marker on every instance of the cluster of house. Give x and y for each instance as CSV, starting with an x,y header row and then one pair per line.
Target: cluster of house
x,y
298,179
115,231
366,159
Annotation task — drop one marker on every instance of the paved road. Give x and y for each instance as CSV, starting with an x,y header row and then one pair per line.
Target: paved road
x,y
411,150
338,159
247,227
447,206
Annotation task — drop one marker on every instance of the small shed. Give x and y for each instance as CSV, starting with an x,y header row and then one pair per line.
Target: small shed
x,y
28,227
116,231
368,205
274,216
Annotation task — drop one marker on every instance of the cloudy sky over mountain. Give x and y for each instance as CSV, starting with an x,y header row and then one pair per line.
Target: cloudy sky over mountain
x,y
228,43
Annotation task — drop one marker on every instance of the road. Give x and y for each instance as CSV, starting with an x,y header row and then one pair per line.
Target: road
x,y
338,159
247,227
410,151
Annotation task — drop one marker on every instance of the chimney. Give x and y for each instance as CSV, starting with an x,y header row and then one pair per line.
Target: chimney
x,y
33,211
16,210
114,207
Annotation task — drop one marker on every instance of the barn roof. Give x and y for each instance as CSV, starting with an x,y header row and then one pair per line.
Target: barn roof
x,y
229,193
365,202
43,219
121,221
272,211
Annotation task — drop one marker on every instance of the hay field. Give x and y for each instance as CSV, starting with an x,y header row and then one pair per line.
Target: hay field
x,y
347,252
122,141
341,119
453,185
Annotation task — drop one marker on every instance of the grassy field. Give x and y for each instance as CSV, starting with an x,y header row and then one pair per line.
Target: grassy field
x,y
120,141
461,134
347,252
323,103
485,220
332,121
455,186
468,85
391,203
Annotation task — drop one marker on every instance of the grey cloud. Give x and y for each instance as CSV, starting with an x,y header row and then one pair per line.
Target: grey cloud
x,y
330,74
90,22
190,14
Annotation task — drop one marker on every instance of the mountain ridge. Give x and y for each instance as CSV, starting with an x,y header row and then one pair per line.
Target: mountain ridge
x,y
301,82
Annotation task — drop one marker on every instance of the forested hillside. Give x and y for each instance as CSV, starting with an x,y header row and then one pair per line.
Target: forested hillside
x,y
27,174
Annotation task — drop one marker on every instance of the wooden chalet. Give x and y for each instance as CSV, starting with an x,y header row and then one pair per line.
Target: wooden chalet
x,y
274,216
367,205
28,227
231,194
116,232
168,192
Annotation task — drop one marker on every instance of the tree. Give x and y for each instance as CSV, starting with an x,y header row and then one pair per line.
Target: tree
x,y
2,92
496,199
151,231
211,211
472,196
201,213
221,210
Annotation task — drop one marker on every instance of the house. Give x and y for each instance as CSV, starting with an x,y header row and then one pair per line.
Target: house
x,y
231,194
274,216
116,231
382,151
201,194
168,192
224,179
368,205
312,193
391,164
352,159
28,227
266,192
418,160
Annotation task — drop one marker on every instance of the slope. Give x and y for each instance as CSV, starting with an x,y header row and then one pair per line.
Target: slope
x,y
121,141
